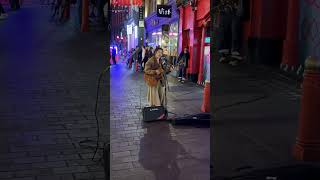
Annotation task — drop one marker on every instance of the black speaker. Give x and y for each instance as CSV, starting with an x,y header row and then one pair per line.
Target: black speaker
x,y
154,113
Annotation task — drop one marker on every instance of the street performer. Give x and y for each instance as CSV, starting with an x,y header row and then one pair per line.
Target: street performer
x,y
154,76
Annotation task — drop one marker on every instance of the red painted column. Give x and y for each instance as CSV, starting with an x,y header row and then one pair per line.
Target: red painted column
x,y
191,25
290,47
85,16
200,75
307,145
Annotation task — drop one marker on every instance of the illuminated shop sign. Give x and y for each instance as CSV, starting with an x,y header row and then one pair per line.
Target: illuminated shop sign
x,y
164,11
129,29
207,40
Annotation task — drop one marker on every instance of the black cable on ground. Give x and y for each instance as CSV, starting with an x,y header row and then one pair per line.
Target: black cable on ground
x,y
96,117
241,102
96,109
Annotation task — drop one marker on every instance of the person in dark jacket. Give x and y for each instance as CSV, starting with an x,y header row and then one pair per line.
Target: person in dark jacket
x,y
183,62
114,53
146,56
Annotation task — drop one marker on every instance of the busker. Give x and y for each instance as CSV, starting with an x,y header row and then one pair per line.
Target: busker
x,y
155,80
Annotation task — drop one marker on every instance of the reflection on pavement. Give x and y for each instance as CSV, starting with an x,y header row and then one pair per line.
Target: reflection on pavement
x,y
154,156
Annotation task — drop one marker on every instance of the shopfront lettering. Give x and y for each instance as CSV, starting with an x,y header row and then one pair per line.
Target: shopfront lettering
x,y
155,22
164,11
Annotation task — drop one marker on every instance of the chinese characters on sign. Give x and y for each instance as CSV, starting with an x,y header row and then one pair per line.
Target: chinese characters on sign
x,y
164,11
141,13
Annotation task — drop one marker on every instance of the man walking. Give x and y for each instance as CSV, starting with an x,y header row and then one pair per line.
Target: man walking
x,y
183,62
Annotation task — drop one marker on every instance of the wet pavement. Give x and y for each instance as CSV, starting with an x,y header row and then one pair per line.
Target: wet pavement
x,y
49,78
255,124
157,150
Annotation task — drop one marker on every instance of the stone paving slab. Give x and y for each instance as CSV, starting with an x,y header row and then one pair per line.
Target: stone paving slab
x,y
252,133
49,80
159,150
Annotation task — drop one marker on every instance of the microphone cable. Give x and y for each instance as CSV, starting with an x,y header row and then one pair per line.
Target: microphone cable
x,y
96,110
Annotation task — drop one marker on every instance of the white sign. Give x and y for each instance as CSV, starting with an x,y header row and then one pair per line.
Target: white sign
x,y
163,11
141,24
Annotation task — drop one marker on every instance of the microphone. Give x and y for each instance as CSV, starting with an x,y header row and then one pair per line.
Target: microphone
x,y
164,61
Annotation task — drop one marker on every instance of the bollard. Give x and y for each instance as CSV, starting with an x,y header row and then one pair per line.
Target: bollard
x,y
85,16
206,98
307,147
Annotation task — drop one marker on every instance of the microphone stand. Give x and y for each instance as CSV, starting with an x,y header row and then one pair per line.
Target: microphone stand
x,y
165,94
164,66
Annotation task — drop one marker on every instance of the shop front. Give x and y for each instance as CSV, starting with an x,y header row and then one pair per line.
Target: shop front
x,y
132,35
165,37
163,32
194,33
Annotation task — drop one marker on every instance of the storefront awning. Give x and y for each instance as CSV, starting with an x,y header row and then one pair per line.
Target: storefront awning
x,y
126,2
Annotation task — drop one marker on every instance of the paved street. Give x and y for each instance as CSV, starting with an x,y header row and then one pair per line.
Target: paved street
x,y
49,77
260,127
158,150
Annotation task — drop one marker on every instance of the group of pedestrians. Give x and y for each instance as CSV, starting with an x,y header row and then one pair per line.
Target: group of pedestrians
x,y
139,56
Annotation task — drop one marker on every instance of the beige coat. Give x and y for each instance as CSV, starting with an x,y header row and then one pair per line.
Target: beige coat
x,y
155,96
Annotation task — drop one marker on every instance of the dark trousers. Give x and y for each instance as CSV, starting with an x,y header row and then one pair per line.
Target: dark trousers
x,y
226,21
1,9
182,71
236,33
14,4
230,32
100,6
114,59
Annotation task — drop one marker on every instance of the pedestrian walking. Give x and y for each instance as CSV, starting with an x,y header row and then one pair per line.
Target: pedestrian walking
x,y
143,54
154,77
131,60
146,56
136,57
3,14
151,52
114,53
183,62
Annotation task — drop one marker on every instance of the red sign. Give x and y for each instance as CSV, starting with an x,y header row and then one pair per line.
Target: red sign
x,y
126,2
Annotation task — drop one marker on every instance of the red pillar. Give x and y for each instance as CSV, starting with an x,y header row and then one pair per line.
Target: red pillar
x,y
85,16
200,75
206,98
307,145
181,29
290,47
